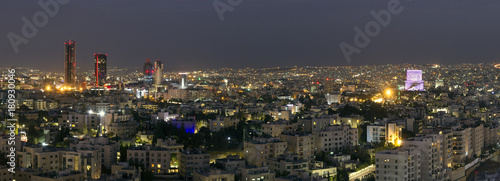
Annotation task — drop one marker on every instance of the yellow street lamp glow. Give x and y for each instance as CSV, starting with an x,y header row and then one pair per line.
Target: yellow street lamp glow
x,y
388,92
47,88
398,142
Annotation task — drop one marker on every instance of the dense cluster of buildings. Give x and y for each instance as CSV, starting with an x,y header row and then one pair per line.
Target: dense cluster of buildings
x,y
388,122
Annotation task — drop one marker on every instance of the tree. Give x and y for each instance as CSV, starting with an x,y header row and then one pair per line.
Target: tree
x,y
35,135
123,153
342,175
85,129
61,135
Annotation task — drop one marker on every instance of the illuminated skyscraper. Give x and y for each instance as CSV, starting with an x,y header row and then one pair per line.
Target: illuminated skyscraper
x,y
148,71
148,68
158,72
100,69
69,63
414,80
183,80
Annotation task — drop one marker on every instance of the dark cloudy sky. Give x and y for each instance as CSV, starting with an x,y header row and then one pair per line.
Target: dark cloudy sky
x,y
188,35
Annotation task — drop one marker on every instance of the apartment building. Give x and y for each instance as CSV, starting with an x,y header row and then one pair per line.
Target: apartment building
x,y
156,159
431,154
335,138
301,143
402,164
232,163
108,149
191,161
253,173
286,163
257,151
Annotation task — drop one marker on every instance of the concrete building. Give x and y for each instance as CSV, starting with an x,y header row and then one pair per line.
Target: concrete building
x,y
40,104
232,163
375,133
109,150
253,172
257,151
462,144
124,171
431,153
170,144
319,123
286,163
402,163
273,129
48,159
334,138
301,143
191,161
391,132
156,159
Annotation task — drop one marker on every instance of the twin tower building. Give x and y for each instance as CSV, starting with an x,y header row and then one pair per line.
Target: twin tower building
x,y
100,71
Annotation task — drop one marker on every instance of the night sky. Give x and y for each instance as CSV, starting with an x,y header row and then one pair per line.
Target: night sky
x,y
188,34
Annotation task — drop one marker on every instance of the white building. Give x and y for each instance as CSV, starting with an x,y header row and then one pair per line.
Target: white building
x,y
403,164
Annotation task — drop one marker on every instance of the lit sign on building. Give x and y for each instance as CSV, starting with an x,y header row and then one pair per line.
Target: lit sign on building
x,y
414,80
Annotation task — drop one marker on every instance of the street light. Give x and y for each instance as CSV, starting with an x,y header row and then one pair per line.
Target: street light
x,y
388,92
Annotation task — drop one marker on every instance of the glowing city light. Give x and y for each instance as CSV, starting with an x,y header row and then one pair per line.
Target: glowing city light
x,y
388,92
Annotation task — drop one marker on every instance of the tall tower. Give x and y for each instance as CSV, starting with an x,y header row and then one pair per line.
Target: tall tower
x,y
69,63
183,80
148,71
101,61
148,68
158,72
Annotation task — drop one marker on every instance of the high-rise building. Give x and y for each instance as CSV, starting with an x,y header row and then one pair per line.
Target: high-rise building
x,y
148,71
432,161
183,80
69,63
328,87
414,80
158,72
100,69
148,68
